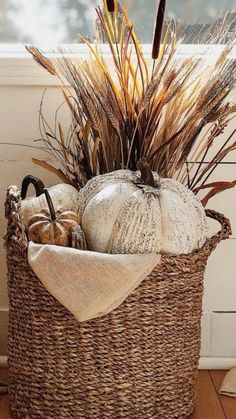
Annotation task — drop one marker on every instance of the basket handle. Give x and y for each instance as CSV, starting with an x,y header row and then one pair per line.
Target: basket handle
x,y
223,234
15,230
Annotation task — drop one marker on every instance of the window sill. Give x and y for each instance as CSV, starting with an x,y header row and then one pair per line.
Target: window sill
x,y
18,68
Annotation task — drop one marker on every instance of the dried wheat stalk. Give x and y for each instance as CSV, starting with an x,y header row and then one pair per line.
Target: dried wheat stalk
x,y
122,114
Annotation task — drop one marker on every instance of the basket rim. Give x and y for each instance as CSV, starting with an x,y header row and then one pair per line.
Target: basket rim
x,y
16,229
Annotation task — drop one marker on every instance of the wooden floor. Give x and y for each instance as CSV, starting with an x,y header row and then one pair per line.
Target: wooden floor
x,y
210,405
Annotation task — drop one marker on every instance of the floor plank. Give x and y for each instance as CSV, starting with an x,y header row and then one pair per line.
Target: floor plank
x,y
4,408
228,403
208,404
4,405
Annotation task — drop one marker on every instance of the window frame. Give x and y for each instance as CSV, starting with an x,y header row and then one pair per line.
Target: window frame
x,y
17,67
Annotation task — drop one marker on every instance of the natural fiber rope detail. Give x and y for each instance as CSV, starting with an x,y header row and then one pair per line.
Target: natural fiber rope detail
x,y
138,362
15,229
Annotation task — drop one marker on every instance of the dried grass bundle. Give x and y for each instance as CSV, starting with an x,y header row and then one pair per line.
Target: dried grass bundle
x,y
131,111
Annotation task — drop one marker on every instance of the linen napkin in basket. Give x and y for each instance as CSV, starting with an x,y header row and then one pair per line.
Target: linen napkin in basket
x,y
228,387
89,284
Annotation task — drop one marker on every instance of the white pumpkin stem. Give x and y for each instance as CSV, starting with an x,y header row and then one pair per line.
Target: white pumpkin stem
x,y
146,173
50,205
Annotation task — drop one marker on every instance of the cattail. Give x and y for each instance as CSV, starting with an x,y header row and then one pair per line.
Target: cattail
x,y
158,29
110,5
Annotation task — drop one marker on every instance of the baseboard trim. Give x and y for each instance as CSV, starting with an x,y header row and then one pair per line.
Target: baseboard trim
x,y
209,363
206,363
3,361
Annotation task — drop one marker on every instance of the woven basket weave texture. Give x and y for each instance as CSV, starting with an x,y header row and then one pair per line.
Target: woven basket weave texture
x,y
138,362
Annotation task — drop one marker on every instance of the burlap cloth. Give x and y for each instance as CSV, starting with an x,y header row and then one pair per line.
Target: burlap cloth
x,y
89,284
228,387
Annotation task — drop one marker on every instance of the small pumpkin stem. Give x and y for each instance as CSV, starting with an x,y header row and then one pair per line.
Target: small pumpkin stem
x,y
38,184
146,173
50,205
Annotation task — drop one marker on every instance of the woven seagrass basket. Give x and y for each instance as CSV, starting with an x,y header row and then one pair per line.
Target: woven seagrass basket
x,y
140,361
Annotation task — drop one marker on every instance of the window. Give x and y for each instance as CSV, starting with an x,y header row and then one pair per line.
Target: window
x,y
60,21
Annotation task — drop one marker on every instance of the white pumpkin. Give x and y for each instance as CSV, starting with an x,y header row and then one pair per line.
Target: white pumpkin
x,y
120,216
64,197
97,183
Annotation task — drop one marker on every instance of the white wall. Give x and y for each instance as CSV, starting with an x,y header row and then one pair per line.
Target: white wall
x,y
22,84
